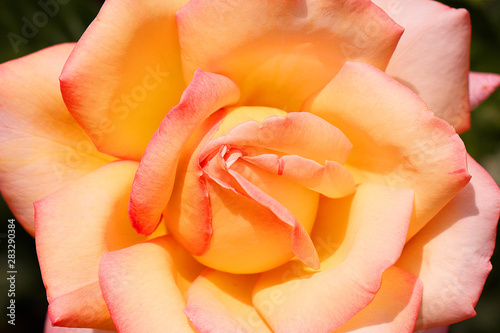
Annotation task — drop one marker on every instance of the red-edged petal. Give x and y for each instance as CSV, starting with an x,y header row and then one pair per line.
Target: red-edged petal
x,y
188,214
125,74
396,140
432,57
143,286
222,303
75,226
357,238
42,148
155,177
451,255
394,308
481,86
292,48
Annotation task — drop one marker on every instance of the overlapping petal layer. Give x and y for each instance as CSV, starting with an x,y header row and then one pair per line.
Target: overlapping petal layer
x,y
143,286
125,74
42,148
292,48
394,308
155,177
221,302
451,255
75,226
188,214
357,238
432,57
396,140
297,133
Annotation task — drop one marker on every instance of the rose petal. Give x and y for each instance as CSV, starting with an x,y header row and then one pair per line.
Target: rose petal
x,y
142,286
75,226
154,180
292,48
367,237
332,180
301,245
42,148
188,214
394,308
298,133
222,302
432,57
125,74
48,328
396,141
481,86
451,255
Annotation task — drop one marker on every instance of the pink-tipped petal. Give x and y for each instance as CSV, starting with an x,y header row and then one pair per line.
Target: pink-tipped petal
x,y
358,238
481,86
75,226
451,255
143,286
292,48
42,148
394,308
396,140
155,177
432,57
125,74
219,302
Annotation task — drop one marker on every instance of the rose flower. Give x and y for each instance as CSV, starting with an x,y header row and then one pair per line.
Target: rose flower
x,y
253,166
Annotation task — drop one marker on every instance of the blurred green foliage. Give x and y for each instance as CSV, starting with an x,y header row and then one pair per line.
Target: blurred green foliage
x,y
68,23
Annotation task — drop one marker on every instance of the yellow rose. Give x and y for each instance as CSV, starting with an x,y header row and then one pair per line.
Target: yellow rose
x,y
253,166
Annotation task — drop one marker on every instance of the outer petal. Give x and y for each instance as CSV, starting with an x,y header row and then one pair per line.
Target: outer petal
x,y
48,328
42,148
357,238
292,48
154,180
222,303
451,255
75,226
432,57
125,74
481,86
394,308
396,140
143,285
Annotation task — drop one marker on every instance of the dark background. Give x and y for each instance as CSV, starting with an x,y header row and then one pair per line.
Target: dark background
x,y
482,141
